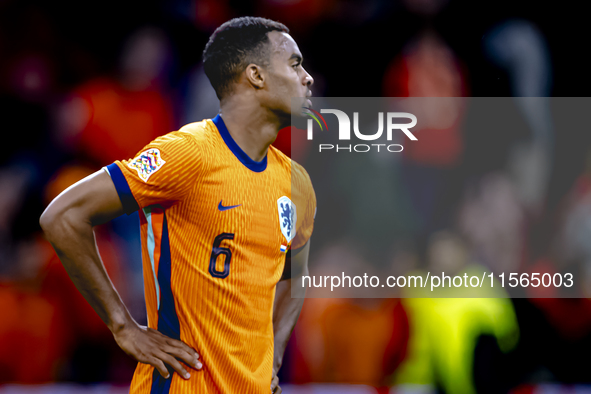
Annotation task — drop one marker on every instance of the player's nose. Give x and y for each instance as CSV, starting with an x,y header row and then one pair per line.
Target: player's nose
x,y
308,80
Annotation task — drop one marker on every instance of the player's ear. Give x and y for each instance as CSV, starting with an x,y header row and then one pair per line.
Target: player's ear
x,y
255,76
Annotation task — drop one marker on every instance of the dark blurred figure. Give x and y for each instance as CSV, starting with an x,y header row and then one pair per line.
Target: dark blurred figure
x,y
48,331
353,341
106,119
520,49
428,67
563,325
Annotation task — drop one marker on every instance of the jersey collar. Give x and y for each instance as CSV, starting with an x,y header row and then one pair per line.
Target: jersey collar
x,y
256,166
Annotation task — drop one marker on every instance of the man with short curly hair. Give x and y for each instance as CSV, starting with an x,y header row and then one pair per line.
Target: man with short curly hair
x,y
224,215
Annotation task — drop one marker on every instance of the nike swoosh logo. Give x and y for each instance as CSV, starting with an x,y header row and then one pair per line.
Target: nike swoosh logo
x,y
222,208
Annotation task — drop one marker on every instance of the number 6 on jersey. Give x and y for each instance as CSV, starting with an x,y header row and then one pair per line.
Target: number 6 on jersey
x,y
218,250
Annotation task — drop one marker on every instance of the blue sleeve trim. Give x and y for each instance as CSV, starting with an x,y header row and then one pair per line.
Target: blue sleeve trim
x,y
129,203
287,271
295,252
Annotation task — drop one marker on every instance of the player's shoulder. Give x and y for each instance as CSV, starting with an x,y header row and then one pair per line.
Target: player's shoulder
x,y
293,169
198,132
183,146
300,174
191,139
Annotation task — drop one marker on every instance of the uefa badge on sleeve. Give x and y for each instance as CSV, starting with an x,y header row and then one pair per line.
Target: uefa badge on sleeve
x,y
287,220
147,163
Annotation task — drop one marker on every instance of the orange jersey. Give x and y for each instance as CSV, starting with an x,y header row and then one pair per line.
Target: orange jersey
x,y
215,228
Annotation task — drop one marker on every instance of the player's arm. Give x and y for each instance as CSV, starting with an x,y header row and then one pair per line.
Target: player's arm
x,y
286,309
68,225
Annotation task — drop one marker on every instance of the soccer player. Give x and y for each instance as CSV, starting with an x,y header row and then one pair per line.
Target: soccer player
x,y
223,215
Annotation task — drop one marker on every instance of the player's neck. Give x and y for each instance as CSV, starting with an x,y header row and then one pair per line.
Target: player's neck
x,y
253,129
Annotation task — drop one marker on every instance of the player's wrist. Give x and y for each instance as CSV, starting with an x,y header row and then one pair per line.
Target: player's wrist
x,y
120,323
276,367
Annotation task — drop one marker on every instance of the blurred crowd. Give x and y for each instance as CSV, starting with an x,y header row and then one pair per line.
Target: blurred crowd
x,y
84,84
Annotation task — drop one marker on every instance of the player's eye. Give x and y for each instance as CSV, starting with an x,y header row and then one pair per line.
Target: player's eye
x,y
296,65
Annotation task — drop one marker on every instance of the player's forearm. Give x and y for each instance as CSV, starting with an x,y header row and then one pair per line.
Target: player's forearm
x,y
285,316
72,237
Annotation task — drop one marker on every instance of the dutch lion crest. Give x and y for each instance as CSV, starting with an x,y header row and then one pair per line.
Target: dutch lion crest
x,y
287,217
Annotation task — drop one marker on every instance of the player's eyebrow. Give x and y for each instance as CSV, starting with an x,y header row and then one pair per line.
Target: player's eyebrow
x,y
297,57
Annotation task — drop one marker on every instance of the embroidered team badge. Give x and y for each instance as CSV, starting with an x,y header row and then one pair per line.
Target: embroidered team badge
x,y
287,217
147,163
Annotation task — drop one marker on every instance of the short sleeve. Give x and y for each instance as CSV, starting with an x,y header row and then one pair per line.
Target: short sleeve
x,y
304,199
159,174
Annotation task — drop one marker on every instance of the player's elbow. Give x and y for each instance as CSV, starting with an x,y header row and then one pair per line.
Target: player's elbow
x,y
54,220
48,220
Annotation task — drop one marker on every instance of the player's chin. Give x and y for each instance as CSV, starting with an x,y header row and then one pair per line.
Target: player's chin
x,y
299,107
